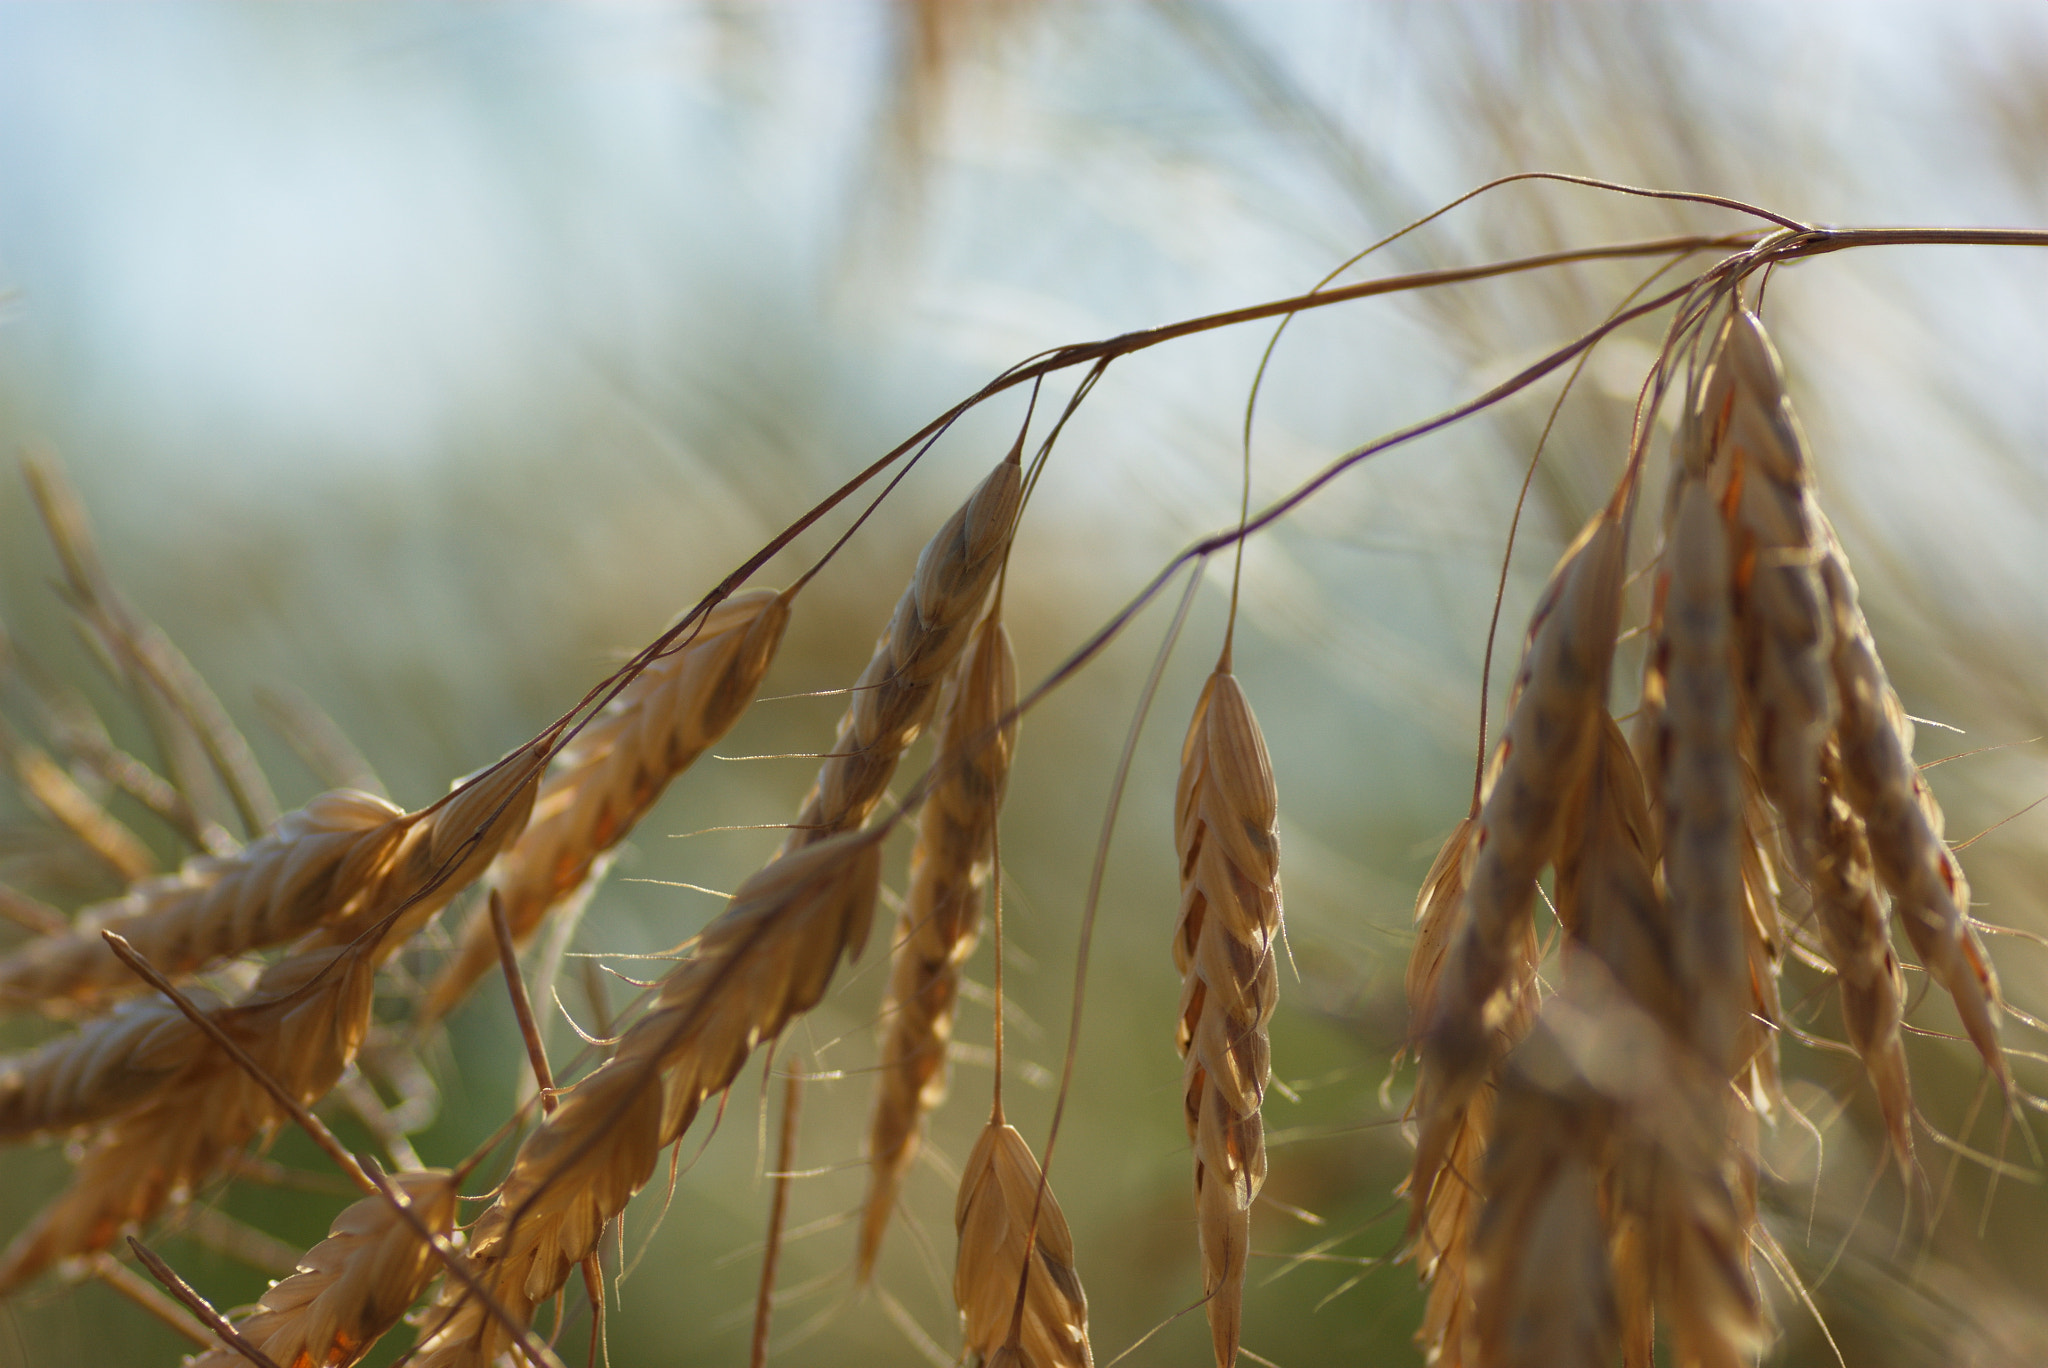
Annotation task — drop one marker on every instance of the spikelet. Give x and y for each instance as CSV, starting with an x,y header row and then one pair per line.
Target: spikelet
x,y
442,851
1671,1182
1560,693
999,1193
764,961
1902,821
1440,1250
1226,809
1607,896
1857,934
1438,907
896,693
351,1287
302,1022
108,1065
1545,1288
615,770
1701,774
940,921
1780,605
305,870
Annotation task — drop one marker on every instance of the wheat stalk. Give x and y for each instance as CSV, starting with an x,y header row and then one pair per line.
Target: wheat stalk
x,y
352,1287
615,769
940,920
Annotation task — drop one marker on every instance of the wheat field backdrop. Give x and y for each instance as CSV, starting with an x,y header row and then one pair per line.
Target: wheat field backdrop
x,y
406,370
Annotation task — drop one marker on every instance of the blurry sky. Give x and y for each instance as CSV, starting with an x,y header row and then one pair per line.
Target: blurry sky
x,y
425,357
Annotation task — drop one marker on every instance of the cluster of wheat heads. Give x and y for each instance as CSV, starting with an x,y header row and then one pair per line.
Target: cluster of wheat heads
x,y
1586,1174
1586,1169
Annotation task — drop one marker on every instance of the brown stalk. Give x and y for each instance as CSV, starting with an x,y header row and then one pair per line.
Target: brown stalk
x,y
198,1305
778,1213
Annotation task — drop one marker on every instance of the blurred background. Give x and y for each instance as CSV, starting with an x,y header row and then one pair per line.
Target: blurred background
x,y
420,362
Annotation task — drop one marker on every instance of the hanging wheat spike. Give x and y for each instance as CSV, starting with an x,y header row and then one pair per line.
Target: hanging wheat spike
x,y
1832,745
164,1133
306,870
764,961
941,917
352,1287
618,766
1903,821
108,1065
1442,1247
1034,1319
1781,607
895,694
302,1023
1226,813
1544,1284
1560,694
1702,775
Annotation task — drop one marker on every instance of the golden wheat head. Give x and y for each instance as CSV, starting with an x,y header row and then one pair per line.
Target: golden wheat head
x,y
940,921
1004,1216
605,780
352,1287
1226,813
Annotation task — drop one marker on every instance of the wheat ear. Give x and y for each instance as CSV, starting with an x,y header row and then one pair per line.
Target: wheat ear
x,y
1671,1182
1545,1287
1702,775
1560,694
1226,810
765,960
109,1064
1902,820
615,770
1442,1248
1781,608
1006,1217
353,1286
941,916
306,870
1682,1197
896,693
301,1023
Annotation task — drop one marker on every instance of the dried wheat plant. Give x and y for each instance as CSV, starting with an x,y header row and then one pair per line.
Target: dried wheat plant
x,y
1591,1103
1620,1155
